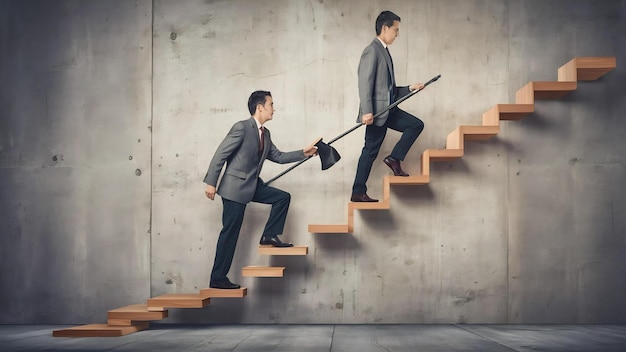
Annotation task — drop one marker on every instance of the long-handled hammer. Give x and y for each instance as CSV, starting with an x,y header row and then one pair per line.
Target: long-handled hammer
x,y
329,155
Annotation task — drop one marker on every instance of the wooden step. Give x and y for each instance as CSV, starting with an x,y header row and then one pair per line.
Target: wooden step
x,y
185,300
443,154
271,250
333,228
462,133
479,133
263,271
100,330
438,155
410,180
586,68
223,293
543,90
499,112
368,205
124,316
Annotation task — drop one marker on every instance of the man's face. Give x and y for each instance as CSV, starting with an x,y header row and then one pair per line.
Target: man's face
x,y
389,34
266,110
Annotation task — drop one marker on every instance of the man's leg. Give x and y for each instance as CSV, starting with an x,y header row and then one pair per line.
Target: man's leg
x,y
410,126
280,201
232,218
374,137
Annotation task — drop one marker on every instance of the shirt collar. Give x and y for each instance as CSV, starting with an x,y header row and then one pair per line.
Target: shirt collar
x,y
381,42
258,124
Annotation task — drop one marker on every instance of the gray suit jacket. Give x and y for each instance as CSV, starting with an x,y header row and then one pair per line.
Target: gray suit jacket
x,y
377,83
240,151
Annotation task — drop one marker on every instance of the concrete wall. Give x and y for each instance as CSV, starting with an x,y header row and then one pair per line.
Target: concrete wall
x,y
75,170
526,228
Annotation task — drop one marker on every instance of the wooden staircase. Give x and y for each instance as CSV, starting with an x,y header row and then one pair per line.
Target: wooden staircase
x,y
133,318
136,317
577,69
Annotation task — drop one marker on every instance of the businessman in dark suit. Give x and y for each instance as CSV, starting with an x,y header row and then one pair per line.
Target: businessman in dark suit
x,y
377,90
244,150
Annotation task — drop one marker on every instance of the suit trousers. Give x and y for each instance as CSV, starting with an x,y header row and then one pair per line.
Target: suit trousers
x,y
232,219
398,120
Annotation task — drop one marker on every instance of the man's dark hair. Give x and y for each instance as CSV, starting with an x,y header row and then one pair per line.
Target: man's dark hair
x,y
385,18
257,98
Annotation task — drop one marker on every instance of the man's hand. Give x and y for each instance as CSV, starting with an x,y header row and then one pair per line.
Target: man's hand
x,y
310,151
367,119
416,86
209,191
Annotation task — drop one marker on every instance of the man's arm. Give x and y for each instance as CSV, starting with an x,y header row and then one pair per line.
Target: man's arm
x,y
229,145
366,79
209,191
310,151
416,86
280,157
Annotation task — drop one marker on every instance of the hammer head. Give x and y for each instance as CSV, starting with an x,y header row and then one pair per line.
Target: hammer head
x,y
328,155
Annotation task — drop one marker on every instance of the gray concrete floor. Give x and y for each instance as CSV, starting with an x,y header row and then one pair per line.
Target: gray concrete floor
x,y
335,338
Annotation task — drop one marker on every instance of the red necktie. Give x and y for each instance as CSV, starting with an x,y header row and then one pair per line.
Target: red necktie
x,y
262,139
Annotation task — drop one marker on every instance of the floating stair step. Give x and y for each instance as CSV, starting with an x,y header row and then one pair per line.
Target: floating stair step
x,y
499,112
271,250
263,271
100,330
437,155
191,300
223,293
586,68
443,154
479,133
410,180
553,90
514,111
462,133
124,316
368,205
543,90
338,228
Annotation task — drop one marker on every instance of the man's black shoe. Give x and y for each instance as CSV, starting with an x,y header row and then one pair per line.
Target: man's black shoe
x,y
274,241
224,284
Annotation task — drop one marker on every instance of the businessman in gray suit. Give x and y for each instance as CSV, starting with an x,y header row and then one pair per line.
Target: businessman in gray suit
x,y
244,150
377,90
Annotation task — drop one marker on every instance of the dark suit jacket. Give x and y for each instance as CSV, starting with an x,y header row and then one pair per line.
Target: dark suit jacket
x,y
240,151
377,83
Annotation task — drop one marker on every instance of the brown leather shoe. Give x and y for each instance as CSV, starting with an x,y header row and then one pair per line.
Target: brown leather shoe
x,y
394,165
362,198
